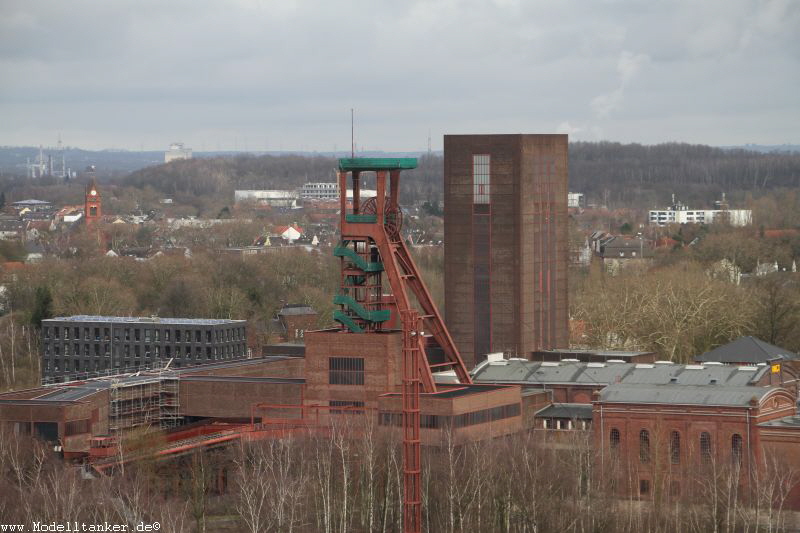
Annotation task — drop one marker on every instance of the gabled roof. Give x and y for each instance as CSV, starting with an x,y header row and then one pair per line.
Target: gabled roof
x,y
746,350
280,230
683,394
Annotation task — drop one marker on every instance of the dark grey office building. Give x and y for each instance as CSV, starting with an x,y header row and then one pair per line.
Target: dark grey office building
x,y
77,345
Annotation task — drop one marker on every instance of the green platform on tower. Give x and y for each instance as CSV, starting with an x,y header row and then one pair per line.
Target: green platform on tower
x,y
377,163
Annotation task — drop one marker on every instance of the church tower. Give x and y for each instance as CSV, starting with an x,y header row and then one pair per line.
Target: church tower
x,y
92,209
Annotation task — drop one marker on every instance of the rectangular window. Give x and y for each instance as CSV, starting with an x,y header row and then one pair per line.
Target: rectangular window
x,y
157,335
86,350
106,334
56,330
348,407
148,334
346,370
137,335
116,334
198,335
77,333
166,335
208,335
177,335
480,179
127,334
97,334
86,334
47,332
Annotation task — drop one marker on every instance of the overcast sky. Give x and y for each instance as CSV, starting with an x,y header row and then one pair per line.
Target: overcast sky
x,y
283,74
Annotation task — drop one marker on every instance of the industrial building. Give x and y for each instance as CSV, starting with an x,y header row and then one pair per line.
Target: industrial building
x,y
78,346
506,250
391,359
177,151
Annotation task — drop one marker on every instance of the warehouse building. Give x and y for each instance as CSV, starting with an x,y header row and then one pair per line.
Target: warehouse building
x,y
84,345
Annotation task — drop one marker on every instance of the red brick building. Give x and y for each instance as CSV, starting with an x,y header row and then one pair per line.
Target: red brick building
x,y
653,439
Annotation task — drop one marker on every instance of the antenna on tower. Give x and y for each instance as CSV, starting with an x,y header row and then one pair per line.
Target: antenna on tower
x,y
352,134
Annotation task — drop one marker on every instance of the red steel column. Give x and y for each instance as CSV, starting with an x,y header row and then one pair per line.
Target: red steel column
x,y
412,468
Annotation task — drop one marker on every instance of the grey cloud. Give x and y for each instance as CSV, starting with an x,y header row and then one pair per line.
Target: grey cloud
x,y
126,73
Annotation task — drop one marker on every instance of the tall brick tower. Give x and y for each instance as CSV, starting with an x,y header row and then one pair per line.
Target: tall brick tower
x,y
505,225
93,203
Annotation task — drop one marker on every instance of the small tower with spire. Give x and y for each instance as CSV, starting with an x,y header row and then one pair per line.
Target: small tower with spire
x,y
93,206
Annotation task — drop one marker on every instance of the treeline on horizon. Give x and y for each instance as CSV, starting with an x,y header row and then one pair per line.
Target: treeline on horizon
x,y
606,172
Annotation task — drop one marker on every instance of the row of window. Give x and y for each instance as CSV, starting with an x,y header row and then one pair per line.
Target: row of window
x,y
705,446
149,335
138,350
346,370
76,365
500,412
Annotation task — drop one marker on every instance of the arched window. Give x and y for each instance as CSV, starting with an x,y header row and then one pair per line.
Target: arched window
x,y
736,448
705,447
644,446
613,441
675,448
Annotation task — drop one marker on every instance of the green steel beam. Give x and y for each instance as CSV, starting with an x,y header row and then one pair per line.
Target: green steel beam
x,y
377,163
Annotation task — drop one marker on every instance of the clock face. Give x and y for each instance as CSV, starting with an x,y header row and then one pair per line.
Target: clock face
x,y
93,192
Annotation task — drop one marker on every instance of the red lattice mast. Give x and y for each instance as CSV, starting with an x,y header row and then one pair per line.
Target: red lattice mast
x,y
372,247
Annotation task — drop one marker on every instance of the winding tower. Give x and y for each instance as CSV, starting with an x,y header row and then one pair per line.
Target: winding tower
x,y
375,258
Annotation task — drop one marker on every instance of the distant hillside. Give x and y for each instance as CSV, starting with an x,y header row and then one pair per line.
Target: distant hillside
x,y
220,176
636,175
613,173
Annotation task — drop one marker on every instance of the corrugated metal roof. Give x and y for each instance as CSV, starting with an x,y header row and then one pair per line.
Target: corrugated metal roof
x,y
69,394
143,320
682,394
551,373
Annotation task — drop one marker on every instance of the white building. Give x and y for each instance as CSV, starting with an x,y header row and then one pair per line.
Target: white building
x,y
679,213
575,199
177,151
329,191
266,197
319,191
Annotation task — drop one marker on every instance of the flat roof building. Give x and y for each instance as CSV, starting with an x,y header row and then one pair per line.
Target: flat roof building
x,y
85,345
506,250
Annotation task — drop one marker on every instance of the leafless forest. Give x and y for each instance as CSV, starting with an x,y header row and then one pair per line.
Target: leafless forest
x,y
336,483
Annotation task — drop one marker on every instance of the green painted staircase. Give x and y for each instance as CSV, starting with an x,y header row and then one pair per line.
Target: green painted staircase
x,y
360,262
370,316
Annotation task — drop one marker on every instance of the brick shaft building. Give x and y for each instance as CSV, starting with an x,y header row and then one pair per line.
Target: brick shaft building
x,y
506,252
